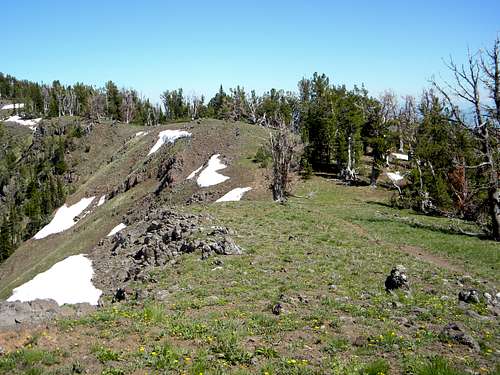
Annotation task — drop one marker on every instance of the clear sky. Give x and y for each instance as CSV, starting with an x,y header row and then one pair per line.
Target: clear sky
x,y
153,45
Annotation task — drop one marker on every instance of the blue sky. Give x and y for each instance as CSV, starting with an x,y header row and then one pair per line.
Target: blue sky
x,y
157,45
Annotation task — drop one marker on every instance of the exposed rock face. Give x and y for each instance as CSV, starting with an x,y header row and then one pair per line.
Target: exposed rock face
x,y
454,332
154,241
397,279
469,296
13,314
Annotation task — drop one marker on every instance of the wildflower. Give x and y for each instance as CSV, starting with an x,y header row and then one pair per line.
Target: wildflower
x,y
141,349
187,359
154,354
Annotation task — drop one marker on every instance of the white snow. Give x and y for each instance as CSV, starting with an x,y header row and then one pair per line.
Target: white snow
x,y
399,156
395,176
234,195
101,200
193,173
64,218
68,281
209,175
116,229
13,106
140,134
168,136
18,120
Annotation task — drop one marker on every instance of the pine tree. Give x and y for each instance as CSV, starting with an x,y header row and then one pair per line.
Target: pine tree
x,y
113,101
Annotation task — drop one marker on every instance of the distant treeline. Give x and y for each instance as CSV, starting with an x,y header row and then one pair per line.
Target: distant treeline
x,y
453,154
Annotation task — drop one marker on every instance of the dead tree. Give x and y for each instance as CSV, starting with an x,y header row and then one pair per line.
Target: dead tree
x,y
407,120
68,101
254,102
46,100
97,105
128,105
480,74
283,146
195,103
389,105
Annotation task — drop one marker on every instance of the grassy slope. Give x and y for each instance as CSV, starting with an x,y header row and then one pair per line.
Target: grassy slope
x,y
326,257
114,153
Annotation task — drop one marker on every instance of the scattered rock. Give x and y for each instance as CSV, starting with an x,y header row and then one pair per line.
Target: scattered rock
x,y
469,296
454,332
120,295
491,300
17,313
396,305
277,309
397,279
360,341
419,310
476,315
155,237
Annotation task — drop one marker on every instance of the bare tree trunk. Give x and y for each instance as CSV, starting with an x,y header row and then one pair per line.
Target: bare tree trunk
x,y
283,146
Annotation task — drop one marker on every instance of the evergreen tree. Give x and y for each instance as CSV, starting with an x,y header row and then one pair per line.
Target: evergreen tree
x,y
113,101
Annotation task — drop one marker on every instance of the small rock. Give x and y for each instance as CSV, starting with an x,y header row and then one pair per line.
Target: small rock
x,y
469,296
120,295
360,341
475,315
454,332
218,262
396,305
397,279
419,310
277,309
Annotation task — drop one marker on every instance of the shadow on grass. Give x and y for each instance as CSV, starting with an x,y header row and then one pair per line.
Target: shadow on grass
x,y
430,227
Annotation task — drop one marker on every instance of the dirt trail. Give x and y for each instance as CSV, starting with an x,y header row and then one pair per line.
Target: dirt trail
x,y
414,251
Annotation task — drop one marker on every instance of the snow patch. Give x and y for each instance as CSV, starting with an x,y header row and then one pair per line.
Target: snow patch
x,y
209,175
193,173
64,218
168,136
395,176
68,281
400,156
116,229
140,134
18,120
101,201
234,195
13,106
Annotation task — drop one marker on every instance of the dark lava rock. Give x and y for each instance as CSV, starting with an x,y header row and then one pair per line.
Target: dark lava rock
x,y
454,332
469,296
120,295
397,279
277,309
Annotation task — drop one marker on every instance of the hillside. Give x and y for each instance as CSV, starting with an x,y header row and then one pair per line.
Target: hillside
x,y
113,160
295,289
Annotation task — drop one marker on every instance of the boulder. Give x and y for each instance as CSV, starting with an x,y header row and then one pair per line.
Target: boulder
x,y
397,279
469,296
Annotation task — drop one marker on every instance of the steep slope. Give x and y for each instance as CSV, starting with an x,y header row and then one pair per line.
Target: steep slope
x,y
113,161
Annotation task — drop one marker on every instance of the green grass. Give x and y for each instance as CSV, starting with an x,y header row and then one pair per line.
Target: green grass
x,y
325,259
